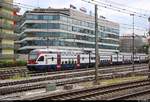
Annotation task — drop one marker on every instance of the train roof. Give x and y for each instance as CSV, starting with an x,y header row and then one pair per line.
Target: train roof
x,y
55,50
77,51
124,53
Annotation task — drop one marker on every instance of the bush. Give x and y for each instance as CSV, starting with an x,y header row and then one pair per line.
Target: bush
x,y
12,63
21,63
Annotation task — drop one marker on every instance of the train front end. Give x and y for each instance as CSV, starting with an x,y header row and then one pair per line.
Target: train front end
x,y
32,57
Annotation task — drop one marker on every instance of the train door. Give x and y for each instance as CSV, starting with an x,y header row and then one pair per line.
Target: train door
x,y
41,63
78,61
110,62
58,61
114,59
51,62
120,59
93,60
139,59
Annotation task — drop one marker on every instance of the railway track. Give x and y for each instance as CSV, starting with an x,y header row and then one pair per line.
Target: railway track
x,y
11,68
36,85
77,70
6,73
112,71
23,71
133,96
96,92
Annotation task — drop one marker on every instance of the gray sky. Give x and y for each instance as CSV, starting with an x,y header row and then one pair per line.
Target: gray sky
x,y
141,6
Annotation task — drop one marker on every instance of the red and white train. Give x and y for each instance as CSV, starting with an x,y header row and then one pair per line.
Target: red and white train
x,y
52,60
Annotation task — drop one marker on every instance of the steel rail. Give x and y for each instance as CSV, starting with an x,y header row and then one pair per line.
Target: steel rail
x,y
88,92
29,86
60,76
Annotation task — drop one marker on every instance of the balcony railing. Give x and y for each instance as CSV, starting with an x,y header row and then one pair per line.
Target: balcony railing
x,y
9,16
4,35
9,6
6,46
3,56
7,26
16,46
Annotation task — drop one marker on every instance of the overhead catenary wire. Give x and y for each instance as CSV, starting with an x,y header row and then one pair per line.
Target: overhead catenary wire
x,y
19,4
104,5
107,6
118,9
124,9
129,7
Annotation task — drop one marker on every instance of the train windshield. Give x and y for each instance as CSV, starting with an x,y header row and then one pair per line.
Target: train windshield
x,y
33,56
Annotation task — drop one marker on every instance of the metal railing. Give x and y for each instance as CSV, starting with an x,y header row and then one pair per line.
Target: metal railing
x,y
8,36
9,6
3,56
9,16
8,46
7,26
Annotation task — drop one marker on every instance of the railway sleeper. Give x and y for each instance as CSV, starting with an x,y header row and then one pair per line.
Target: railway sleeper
x,y
32,80
126,91
131,91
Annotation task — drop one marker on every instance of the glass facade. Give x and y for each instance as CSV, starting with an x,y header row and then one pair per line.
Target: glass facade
x,y
63,30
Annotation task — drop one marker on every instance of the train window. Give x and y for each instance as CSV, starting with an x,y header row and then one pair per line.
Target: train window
x,y
52,58
72,62
115,57
92,58
65,62
82,58
41,58
69,62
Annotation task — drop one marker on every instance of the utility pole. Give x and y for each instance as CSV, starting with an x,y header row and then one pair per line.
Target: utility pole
x,y
133,52
149,48
47,35
96,47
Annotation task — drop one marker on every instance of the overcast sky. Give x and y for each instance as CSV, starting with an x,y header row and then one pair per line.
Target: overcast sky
x,y
141,6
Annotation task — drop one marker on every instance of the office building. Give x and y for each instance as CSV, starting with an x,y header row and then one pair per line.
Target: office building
x,y
8,17
66,29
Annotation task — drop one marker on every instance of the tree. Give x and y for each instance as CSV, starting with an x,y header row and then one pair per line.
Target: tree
x,y
145,48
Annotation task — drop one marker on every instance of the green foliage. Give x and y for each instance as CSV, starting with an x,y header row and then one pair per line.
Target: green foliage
x,y
145,48
21,63
6,63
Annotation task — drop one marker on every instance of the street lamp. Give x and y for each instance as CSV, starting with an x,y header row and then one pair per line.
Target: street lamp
x,y
133,43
